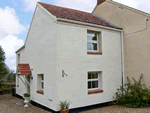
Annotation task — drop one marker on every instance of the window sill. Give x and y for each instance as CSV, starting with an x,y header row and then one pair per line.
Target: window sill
x,y
40,91
95,91
95,53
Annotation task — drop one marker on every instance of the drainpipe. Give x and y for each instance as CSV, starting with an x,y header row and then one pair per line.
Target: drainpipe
x,y
123,62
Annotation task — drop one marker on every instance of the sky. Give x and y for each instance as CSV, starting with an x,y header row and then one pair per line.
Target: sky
x,y
16,16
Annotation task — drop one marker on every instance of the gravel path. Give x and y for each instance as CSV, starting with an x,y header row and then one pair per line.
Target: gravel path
x,y
118,109
7,105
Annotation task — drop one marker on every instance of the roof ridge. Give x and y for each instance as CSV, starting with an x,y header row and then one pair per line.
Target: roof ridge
x,y
73,14
64,7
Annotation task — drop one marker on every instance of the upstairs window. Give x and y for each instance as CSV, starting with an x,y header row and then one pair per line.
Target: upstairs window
x,y
18,58
92,42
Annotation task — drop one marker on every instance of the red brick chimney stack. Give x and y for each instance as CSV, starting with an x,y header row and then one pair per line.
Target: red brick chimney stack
x,y
100,1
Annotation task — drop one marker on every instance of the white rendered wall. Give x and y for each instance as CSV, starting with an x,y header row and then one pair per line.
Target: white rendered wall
x,y
40,54
51,48
72,57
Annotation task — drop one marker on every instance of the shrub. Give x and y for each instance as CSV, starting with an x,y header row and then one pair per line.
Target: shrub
x,y
26,95
64,105
133,94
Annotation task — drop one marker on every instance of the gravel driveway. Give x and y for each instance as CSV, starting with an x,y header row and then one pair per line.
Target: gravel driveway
x,y
7,105
118,109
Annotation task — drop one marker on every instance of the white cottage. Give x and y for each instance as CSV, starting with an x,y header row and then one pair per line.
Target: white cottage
x,y
69,55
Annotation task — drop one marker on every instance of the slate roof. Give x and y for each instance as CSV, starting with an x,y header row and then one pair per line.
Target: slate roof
x,y
71,14
24,69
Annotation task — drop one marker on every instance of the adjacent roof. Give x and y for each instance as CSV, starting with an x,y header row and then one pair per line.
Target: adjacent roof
x,y
124,6
71,14
24,69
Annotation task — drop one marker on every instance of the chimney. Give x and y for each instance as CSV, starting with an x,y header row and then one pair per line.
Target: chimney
x,y
100,1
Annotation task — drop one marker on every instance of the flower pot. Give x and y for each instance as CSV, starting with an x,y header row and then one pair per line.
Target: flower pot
x,y
64,111
26,101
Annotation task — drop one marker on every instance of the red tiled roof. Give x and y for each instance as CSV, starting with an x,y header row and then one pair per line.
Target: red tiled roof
x,y
24,69
71,14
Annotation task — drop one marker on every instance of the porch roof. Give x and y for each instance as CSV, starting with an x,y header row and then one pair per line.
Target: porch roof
x,y
24,69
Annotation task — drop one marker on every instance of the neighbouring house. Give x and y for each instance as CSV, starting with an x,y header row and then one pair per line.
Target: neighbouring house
x,y
69,55
136,27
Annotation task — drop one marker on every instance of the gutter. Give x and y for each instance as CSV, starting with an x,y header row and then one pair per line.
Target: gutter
x,y
87,24
122,54
20,49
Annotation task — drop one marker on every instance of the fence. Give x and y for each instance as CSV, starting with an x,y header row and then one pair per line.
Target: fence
x,y
7,87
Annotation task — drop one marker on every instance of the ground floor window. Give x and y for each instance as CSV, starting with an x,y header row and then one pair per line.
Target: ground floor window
x,y
94,82
40,83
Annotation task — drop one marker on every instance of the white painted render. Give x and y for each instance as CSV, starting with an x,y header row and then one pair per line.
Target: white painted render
x,y
40,54
72,57
55,46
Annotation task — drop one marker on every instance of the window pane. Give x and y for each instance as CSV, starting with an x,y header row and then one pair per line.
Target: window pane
x,y
94,75
89,76
94,84
91,46
42,77
89,85
42,85
92,36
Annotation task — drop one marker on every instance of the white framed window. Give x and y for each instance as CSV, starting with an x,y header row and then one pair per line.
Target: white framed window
x,y
42,82
18,58
93,80
92,42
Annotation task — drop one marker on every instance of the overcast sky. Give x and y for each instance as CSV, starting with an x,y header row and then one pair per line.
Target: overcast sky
x,y
16,15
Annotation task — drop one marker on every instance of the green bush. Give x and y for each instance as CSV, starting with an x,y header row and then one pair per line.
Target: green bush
x,y
133,94
26,95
